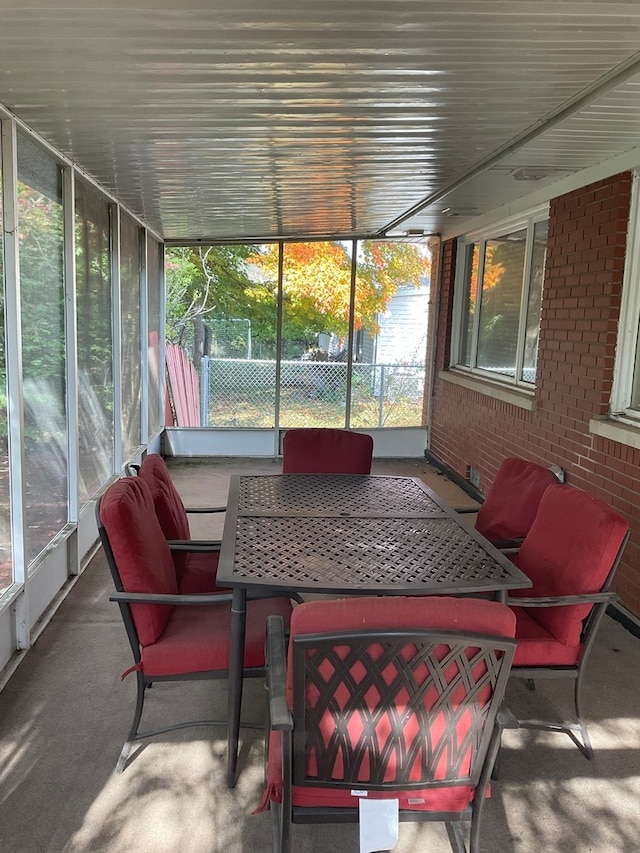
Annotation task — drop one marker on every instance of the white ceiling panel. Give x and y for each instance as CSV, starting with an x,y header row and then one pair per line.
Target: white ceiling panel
x,y
254,120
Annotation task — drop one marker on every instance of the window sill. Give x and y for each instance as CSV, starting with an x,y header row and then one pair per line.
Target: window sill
x,y
523,399
624,431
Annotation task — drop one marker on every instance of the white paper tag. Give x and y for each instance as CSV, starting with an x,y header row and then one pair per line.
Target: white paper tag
x,y
379,820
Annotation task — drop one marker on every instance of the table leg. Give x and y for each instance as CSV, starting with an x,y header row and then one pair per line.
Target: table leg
x,y
236,667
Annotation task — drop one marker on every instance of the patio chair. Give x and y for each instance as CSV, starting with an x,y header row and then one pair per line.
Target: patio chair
x,y
571,554
196,561
321,450
173,637
512,501
395,697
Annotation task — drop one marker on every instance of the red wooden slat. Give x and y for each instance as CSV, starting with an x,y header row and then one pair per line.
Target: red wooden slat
x,y
183,387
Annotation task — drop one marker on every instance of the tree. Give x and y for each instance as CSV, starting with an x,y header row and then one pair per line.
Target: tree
x,y
242,282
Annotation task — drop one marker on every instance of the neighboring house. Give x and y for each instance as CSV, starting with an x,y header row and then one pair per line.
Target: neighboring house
x,y
403,328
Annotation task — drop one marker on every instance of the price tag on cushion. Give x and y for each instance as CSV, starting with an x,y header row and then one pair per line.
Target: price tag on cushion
x,y
379,820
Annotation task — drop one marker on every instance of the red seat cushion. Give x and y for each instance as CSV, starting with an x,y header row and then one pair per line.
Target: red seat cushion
x,y
199,573
512,502
196,638
570,549
140,551
326,451
536,645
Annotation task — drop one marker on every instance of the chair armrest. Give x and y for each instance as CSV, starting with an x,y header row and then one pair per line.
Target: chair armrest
x,y
562,600
213,545
194,509
279,713
192,598
162,598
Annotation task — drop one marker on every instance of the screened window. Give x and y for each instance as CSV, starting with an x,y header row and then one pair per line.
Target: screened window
x,y
499,294
6,558
130,257
154,266
95,349
41,245
300,335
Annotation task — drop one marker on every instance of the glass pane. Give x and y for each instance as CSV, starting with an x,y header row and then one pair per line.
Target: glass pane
x,y
500,304
391,318
315,323
534,302
130,330
6,558
155,408
468,314
40,225
222,303
95,346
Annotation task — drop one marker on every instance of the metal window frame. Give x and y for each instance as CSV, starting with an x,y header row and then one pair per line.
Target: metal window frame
x,y
626,375
526,221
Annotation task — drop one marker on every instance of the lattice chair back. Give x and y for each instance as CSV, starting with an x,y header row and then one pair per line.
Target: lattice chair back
x,y
512,501
402,707
395,696
326,451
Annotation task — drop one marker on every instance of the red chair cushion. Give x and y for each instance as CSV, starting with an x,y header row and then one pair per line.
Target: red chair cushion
x,y
196,571
140,551
169,507
570,549
436,613
196,638
199,574
326,451
512,502
536,645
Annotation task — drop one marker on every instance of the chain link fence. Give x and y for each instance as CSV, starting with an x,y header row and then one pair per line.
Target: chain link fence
x,y
241,393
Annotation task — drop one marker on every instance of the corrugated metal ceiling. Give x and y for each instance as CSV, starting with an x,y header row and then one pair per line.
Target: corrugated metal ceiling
x,y
251,120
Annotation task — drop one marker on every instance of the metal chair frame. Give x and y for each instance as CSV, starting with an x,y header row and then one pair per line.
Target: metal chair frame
x,y
576,729
484,663
124,600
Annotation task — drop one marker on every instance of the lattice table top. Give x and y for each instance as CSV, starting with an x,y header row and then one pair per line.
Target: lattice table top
x,y
333,495
343,534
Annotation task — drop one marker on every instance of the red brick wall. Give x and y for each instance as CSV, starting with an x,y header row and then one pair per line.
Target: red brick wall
x,y
578,333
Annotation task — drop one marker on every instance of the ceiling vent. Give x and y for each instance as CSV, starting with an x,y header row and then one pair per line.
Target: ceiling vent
x,y
530,173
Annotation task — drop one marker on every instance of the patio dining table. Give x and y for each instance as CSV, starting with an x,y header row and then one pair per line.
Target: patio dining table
x,y
345,535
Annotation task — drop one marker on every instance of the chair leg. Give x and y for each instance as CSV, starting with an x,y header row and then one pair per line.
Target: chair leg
x,y
133,731
585,747
280,828
577,730
456,838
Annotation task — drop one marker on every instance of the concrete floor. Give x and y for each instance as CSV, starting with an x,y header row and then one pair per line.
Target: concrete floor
x,y
64,715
